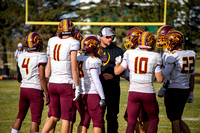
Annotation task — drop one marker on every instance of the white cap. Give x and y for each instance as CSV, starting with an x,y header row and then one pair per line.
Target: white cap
x,y
20,45
107,31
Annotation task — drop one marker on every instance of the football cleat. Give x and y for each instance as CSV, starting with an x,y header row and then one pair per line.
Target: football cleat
x,y
146,40
132,37
34,41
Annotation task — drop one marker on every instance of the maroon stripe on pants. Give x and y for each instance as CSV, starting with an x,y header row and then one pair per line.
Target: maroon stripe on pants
x,y
150,104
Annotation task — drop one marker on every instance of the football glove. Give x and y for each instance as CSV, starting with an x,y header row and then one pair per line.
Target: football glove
x,y
47,99
162,90
190,98
118,59
77,93
102,102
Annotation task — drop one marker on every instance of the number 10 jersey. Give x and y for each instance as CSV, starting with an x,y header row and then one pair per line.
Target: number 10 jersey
x,y
142,66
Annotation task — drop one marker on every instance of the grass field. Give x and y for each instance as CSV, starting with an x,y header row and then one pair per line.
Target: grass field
x,y
9,98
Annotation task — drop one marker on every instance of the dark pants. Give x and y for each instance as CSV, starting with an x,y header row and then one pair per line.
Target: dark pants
x,y
175,100
19,76
112,95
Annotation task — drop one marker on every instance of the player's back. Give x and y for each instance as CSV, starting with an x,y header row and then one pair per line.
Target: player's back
x,y
142,65
86,63
184,66
59,51
28,63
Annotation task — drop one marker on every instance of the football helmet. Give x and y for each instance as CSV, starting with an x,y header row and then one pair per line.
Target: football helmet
x,y
132,37
161,32
66,27
34,41
172,39
146,40
78,36
91,44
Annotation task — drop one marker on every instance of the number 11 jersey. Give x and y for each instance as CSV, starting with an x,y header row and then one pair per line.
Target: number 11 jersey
x,y
59,51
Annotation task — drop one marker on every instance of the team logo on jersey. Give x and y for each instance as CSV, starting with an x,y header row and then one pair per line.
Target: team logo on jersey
x,y
105,58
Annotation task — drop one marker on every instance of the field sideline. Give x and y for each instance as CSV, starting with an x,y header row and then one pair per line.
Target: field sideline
x,y
9,98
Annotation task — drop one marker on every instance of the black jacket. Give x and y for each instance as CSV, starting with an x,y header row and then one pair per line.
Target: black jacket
x,y
108,60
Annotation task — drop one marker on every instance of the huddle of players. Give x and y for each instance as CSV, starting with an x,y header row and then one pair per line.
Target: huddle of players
x,y
67,71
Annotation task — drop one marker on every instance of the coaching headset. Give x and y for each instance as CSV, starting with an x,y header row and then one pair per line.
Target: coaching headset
x,y
112,28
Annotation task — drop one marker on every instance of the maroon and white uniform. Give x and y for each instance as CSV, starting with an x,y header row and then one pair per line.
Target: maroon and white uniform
x,y
61,80
31,92
142,65
179,66
91,90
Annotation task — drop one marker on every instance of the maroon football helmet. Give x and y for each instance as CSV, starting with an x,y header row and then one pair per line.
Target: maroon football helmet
x,y
78,36
91,44
172,39
146,40
66,27
161,32
132,37
34,41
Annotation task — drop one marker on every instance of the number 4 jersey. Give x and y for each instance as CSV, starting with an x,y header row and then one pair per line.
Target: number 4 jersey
x,y
28,63
142,66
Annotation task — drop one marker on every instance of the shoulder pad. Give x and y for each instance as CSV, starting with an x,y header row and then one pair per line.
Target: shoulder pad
x,y
171,58
95,62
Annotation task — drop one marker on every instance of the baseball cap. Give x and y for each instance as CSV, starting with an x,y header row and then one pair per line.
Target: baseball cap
x,y
20,45
107,31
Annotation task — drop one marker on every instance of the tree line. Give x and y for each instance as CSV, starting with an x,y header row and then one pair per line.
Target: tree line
x,y
184,16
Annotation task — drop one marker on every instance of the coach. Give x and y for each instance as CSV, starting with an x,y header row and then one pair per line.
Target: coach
x,y
110,81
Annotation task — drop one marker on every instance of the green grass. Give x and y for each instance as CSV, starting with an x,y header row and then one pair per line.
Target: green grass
x,y
9,99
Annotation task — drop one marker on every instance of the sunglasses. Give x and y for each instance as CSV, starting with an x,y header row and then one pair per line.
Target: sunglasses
x,y
108,37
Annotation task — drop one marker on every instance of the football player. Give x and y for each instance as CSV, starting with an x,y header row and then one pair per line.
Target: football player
x,y
92,97
131,44
64,72
75,106
32,67
143,64
162,31
180,68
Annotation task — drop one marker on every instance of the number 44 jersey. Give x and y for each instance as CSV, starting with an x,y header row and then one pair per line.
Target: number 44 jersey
x,y
59,52
142,66
28,64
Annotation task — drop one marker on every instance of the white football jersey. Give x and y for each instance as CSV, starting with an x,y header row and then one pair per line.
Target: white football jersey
x,y
59,51
184,66
142,66
86,63
28,64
